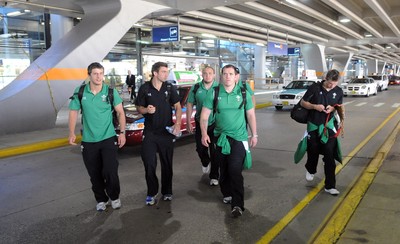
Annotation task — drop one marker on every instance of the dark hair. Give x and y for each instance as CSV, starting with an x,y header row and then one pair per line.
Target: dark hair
x,y
94,65
332,75
231,66
156,67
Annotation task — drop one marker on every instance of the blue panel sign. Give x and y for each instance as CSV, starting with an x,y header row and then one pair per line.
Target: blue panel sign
x,y
277,48
165,33
293,51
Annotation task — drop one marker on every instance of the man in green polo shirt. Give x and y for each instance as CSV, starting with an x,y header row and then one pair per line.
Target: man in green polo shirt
x,y
231,133
99,141
196,98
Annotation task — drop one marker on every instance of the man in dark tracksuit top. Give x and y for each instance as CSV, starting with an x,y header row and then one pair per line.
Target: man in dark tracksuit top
x,y
231,133
322,127
206,154
99,141
154,101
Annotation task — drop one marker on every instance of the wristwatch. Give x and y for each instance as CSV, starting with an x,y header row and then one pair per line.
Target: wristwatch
x,y
122,132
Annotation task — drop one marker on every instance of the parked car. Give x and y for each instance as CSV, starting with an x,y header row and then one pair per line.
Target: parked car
x,y
291,94
382,80
394,80
360,87
135,121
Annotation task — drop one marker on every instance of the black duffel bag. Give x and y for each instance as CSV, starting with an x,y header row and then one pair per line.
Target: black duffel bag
x,y
299,114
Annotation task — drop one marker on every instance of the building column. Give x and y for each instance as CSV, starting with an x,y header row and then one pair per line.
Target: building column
x,y
259,66
314,58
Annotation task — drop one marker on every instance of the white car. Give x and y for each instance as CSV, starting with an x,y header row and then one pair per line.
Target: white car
x,y
360,87
291,94
382,80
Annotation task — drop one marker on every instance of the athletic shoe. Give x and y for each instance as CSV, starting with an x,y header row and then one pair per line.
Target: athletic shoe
x,y
101,206
237,211
332,191
309,177
213,182
150,200
167,197
227,200
116,204
206,169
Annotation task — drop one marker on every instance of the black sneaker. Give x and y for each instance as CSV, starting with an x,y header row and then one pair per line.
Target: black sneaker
x,y
237,211
167,197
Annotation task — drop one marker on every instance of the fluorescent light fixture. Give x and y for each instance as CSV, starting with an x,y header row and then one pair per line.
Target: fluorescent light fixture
x,y
260,44
344,19
191,41
208,35
366,34
187,37
208,41
15,13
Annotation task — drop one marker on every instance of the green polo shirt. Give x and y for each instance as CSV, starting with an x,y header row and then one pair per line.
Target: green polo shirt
x,y
97,116
198,99
229,119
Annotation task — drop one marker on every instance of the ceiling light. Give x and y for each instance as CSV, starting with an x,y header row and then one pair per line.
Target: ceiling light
x,y
15,13
208,35
366,34
187,37
344,19
260,44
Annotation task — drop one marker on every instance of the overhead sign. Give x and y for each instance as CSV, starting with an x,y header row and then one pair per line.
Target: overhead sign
x,y
293,51
277,48
166,33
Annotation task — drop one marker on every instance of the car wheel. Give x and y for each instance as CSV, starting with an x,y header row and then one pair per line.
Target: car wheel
x,y
278,107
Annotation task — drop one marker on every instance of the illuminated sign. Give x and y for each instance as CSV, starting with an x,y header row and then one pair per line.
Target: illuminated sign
x,y
293,51
277,48
166,33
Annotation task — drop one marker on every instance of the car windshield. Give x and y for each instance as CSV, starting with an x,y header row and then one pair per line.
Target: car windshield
x,y
299,84
376,77
359,81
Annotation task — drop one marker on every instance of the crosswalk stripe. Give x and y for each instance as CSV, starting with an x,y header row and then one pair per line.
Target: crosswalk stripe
x,y
379,104
360,104
396,105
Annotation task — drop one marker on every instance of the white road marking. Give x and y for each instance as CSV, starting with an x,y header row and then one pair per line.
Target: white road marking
x,y
360,104
396,105
379,104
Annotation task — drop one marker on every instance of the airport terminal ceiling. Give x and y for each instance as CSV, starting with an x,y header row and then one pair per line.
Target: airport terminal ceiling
x,y
371,31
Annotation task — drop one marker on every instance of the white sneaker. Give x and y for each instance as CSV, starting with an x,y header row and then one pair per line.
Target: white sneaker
x,y
101,206
206,170
309,177
213,182
116,204
332,191
227,200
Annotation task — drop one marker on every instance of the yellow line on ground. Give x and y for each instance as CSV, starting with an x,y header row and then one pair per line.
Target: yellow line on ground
x,y
34,147
339,219
278,227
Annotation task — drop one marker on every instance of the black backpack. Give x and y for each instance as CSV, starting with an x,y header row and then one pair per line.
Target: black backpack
x,y
110,99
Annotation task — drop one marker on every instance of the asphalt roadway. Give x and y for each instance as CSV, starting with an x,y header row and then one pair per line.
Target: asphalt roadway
x,y
46,195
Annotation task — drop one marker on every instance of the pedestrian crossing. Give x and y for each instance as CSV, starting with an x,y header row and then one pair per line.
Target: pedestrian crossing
x,y
371,104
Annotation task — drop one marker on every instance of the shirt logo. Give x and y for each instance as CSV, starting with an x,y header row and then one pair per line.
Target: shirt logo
x,y
334,95
149,94
238,98
103,98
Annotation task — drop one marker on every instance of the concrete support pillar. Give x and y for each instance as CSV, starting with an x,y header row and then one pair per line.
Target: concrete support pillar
x,y
60,26
314,58
341,63
44,87
259,66
372,66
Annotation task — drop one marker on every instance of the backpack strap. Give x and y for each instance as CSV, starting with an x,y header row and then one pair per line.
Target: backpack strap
x,y
169,90
215,101
111,101
243,91
195,88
